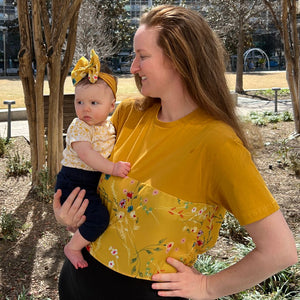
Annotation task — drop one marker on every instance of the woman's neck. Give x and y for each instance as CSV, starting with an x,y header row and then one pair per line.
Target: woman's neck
x,y
176,107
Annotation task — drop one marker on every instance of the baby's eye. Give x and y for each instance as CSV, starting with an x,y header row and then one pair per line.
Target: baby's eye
x,y
79,102
94,102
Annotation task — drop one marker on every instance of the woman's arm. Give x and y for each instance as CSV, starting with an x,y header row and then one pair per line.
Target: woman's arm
x,y
275,250
96,161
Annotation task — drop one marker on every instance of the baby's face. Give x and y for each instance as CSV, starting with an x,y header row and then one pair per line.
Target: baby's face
x,y
94,102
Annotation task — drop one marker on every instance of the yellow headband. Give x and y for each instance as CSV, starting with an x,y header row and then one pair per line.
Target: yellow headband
x,y
92,69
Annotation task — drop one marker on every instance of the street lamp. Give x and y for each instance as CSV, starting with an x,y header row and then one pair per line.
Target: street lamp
x,y
9,103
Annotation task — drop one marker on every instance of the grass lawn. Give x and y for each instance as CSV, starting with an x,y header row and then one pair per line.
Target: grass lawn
x,y
11,87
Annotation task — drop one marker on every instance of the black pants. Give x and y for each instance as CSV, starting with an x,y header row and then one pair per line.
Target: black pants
x,y
97,282
97,217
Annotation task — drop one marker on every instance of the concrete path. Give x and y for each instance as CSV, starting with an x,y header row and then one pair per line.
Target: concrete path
x,y
247,105
244,107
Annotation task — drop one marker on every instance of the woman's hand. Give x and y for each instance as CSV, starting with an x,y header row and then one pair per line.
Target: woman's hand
x,y
186,283
274,250
71,213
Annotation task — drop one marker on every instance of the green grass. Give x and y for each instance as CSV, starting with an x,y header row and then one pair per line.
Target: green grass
x,y
281,286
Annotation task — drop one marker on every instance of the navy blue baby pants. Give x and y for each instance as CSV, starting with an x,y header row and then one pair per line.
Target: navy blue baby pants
x,y
97,217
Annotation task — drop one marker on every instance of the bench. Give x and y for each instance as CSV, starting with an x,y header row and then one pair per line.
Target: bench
x,y
68,111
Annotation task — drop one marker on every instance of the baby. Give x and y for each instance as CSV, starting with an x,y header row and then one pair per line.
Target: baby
x,y
90,140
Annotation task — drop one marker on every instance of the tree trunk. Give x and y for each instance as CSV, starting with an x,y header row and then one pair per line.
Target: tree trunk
x,y
58,71
291,51
240,62
41,61
287,26
44,36
26,75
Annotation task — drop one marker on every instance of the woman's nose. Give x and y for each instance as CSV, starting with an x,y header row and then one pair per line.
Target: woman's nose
x,y
135,67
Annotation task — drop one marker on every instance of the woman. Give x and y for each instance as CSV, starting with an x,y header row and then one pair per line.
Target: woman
x,y
190,164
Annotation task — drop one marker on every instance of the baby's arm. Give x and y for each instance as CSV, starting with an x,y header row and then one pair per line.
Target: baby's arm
x,y
96,161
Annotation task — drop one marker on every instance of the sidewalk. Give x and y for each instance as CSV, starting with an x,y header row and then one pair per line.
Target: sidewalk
x,y
244,107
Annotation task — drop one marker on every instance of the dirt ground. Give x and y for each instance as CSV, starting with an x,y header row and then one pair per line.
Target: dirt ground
x,y
33,261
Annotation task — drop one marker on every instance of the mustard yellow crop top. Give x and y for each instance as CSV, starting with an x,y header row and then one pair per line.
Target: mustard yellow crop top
x,y
185,175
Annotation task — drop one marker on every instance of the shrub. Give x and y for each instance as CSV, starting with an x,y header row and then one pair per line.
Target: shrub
x,y
9,226
2,146
287,116
45,189
262,119
284,284
17,166
232,229
288,156
281,286
270,94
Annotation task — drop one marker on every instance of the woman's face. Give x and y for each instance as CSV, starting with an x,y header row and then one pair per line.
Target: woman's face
x,y
150,63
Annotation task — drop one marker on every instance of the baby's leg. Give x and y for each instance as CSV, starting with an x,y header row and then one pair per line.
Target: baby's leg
x,y
73,250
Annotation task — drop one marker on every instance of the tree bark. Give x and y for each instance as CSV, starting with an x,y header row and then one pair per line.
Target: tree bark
x,y
41,61
26,75
287,26
45,36
240,62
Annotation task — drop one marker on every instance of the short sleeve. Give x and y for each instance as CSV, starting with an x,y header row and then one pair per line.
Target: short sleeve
x,y
240,187
120,115
79,131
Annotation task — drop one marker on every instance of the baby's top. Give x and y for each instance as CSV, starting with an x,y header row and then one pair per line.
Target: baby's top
x,y
102,138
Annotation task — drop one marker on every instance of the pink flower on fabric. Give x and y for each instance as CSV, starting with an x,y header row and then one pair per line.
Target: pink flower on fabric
x,y
169,246
122,203
200,232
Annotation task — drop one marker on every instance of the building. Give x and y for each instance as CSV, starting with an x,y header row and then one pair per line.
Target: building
x,y
137,7
8,13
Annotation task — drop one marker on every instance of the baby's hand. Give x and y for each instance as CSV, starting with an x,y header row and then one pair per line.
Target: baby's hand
x,y
121,168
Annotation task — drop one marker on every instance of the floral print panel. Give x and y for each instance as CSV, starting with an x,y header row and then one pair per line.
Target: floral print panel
x,y
148,225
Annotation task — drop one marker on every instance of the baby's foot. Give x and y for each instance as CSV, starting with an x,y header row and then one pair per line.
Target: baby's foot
x,y
75,257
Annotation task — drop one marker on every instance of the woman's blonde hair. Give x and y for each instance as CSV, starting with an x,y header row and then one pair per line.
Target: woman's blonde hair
x,y
198,55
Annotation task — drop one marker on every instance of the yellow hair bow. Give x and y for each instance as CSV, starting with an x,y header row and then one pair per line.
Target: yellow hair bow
x,y
92,68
